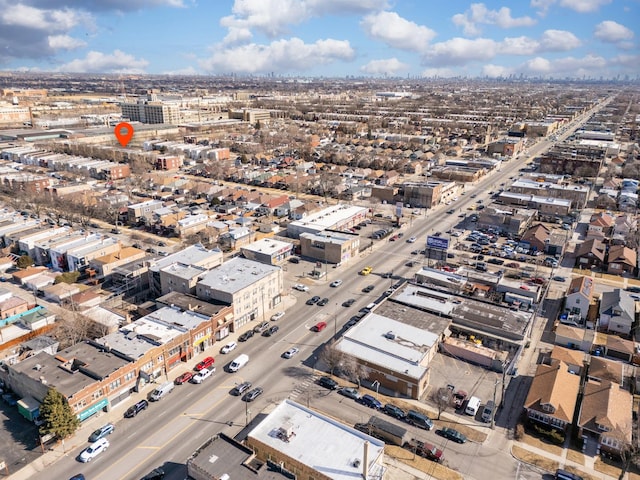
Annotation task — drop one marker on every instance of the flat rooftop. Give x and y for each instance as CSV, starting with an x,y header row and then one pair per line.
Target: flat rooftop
x,y
192,255
268,246
187,302
319,442
237,274
329,217
395,345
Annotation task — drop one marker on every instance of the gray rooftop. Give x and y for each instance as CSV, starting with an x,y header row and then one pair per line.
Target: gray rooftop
x,y
187,302
192,255
394,345
319,442
186,272
237,274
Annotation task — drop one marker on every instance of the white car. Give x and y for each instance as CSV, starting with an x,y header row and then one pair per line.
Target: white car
x,y
93,450
301,288
335,283
291,352
277,316
411,240
229,347
203,374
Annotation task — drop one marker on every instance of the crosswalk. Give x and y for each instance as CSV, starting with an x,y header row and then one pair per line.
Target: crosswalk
x,y
303,388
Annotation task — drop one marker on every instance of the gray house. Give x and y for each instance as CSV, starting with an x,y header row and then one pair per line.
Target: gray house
x,y
617,312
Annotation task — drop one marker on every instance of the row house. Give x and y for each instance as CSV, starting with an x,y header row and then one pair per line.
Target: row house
x,y
27,183
578,194
103,266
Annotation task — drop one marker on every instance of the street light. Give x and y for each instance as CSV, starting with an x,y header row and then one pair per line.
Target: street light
x,y
376,383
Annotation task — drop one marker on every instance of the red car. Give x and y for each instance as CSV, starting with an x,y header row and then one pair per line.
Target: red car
x,y
206,363
184,378
538,281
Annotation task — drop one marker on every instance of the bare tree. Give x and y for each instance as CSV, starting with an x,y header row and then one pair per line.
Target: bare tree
x,y
354,370
442,399
331,357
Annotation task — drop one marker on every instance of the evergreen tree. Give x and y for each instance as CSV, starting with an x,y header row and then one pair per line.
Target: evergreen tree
x,y
57,415
24,261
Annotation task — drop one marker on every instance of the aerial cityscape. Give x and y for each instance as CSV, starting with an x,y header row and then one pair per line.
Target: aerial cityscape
x,y
326,240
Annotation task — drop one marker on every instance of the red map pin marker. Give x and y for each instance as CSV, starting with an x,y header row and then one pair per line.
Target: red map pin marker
x,y
124,132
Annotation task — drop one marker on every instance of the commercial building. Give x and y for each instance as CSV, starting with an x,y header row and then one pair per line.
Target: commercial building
x,y
268,250
335,217
311,445
150,110
330,247
429,194
251,288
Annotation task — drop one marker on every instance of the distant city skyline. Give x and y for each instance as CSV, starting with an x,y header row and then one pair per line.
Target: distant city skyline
x,y
552,39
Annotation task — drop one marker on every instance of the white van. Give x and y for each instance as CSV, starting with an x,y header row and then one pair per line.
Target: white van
x,y
239,362
472,406
161,391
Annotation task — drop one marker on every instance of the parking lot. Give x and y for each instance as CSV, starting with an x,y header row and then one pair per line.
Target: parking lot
x,y
474,380
18,439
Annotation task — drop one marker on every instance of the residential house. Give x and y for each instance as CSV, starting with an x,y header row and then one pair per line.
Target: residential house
x,y
606,415
573,337
624,226
535,238
574,359
617,312
590,254
552,397
579,296
622,260
602,369
106,264
600,226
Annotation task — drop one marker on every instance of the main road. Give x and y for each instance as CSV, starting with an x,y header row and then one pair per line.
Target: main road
x,y
170,430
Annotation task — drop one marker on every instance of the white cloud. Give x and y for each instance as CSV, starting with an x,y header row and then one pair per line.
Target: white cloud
x,y
580,6
478,14
237,35
589,65
272,17
51,20
65,42
558,41
495,71
116,62
182,71
459,51
292,55
387,66
397,32
612,32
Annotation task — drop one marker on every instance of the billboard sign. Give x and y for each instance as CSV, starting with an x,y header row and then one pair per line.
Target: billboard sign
x,y
438,242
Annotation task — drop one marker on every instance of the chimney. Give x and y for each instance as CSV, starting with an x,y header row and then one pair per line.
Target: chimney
x,y
365,460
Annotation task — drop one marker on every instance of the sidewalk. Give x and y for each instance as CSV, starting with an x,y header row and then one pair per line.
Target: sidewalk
x,y
116,414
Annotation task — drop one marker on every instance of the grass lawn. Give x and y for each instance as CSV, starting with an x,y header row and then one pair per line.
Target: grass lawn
x,y
435,470
575,456
534,459
603,467
542,444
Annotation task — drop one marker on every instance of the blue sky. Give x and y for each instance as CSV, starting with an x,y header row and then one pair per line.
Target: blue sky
x,y
537,38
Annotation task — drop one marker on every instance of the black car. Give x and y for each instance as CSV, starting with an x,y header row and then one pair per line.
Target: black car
x,y
313,300
348,303
633,289
394,411
241,388
251,395
452,434
368,288
270,331
328,382
246,336
133,410
323,302
155,474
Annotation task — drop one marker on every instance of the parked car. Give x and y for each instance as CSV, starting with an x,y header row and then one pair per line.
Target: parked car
x,y
370,402
241,388
328,382
349,392
291,352
202,375
93,450
246,336
229,347
261,327
558,278
313,300
394,411
323,302
277,316
458,398
251,395
301,288
136,408
335,283
206,363
103,431
184,378
349,302
452,434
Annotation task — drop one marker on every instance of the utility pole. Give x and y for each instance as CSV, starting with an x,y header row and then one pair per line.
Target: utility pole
x,y
493,413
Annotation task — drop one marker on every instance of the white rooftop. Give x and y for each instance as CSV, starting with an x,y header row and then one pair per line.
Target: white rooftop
x,y
192,255
329,216
268,246
319,442
236,274
389,343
